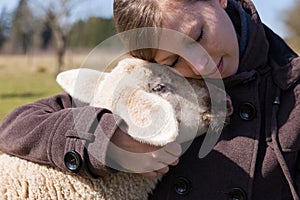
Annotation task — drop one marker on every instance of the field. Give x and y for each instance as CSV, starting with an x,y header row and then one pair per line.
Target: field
x,y
25,79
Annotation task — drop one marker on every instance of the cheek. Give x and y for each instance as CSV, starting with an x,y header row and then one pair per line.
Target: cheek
x,y
220,32
229,35
222,39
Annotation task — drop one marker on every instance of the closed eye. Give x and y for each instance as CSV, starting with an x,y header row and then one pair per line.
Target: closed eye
x,y
175,61
200,36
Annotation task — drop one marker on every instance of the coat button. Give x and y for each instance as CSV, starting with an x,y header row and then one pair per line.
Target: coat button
x,y
182,186
73,161
247,111
236,194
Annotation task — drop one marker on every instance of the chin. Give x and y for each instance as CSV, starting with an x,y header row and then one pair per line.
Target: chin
x,y
229,72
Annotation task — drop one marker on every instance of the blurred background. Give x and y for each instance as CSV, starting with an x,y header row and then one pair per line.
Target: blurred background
x,y
39,38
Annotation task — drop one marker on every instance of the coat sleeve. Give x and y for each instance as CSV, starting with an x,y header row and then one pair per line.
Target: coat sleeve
x,y
51,130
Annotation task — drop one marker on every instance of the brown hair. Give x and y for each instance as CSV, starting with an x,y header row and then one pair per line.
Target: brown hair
x,y
136,14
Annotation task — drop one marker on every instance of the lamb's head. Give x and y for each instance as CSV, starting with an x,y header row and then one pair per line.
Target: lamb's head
x,y
193,99
157,103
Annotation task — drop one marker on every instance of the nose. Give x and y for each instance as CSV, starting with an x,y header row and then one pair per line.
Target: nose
x,y
203,66
198,65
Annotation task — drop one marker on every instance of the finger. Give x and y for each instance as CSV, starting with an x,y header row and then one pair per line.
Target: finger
x,y
173,148
175,162
164,157
163,170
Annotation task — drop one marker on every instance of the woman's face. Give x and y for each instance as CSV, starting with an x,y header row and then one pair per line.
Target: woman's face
x,y
208,24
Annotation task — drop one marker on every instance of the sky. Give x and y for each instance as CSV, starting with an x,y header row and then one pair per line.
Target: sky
x,y
271,11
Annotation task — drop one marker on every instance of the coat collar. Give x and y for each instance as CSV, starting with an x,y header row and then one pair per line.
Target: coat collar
x,y
265,48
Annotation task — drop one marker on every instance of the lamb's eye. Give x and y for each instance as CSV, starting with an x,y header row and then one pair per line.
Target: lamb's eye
x,y
159,88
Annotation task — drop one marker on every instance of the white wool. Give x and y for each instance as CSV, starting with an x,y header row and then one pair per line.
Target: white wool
x,y
23,180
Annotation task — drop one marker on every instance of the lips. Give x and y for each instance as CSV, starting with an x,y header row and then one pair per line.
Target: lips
x,y
218,68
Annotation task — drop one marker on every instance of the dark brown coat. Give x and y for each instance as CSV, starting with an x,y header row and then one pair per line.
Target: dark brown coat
x,y
257,156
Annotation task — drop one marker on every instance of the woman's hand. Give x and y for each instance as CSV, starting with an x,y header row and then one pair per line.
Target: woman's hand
x,y
133,156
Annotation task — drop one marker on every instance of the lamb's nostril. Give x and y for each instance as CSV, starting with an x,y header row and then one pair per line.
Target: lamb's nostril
x,y
159,88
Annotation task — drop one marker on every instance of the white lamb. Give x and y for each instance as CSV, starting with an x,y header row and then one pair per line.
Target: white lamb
x,y
139,92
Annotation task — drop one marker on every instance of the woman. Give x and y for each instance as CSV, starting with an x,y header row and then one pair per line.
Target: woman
x,y
256,156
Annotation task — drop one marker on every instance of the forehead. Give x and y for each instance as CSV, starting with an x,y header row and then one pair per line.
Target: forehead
x,y
181,15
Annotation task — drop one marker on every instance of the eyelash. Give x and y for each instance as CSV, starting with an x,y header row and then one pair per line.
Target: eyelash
x,y
174,63
200,36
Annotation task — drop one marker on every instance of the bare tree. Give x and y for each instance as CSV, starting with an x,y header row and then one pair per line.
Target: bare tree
x,y
57,13
23,27
4,26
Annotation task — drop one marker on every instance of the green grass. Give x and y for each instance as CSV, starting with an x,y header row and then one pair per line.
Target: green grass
x,y
22,88
25,79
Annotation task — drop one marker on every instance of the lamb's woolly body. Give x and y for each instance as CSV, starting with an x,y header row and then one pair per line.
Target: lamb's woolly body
x,y
21,180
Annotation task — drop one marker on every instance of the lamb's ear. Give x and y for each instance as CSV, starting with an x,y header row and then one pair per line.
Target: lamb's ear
x,y
150,118
80,83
